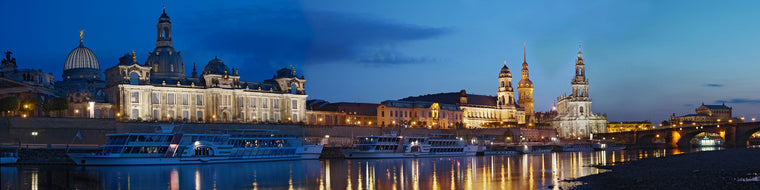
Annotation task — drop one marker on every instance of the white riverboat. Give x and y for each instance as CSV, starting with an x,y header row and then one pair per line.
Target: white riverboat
x,y
8,157
508,150
391,146
242,145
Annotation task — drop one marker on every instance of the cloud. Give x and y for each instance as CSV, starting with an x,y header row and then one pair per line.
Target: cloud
x,y
289,35
739,101
713,85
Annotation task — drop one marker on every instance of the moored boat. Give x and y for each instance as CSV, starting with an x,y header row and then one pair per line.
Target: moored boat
x,y
501,150
575,148
607,145
8,157
241,145
535,148
391,146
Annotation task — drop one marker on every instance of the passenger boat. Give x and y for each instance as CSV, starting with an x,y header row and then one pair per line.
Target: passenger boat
x,y
238,145
606,145
391,146
8,157
501,150
535,148
706,142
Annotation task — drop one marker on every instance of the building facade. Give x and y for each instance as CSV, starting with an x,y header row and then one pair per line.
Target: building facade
x,y
31,87
159,90
320,112
574,116
624,126
419,114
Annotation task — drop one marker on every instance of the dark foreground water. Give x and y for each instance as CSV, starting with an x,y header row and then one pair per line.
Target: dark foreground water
x,y
536,171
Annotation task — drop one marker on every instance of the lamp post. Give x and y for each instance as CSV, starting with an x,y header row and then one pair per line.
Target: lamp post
x,y
34,134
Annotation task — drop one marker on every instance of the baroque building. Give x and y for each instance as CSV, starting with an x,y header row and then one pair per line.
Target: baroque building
x,y
321,112
31,87
706,115
159,90
574,116
419,114
480,111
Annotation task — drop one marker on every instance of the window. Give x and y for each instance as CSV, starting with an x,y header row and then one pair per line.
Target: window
x,y
199,114
225,101
198,100
253,102
184,99
295,117
241,101
295,104
253,116
155,115
134,78
171,114
265,117
275,103
170,99
382,113
277,117
264,103
135,97
155,98
185,114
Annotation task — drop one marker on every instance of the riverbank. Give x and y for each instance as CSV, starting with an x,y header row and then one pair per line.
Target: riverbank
x,y
721,169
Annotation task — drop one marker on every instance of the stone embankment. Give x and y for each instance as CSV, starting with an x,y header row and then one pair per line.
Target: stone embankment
x,y
724,169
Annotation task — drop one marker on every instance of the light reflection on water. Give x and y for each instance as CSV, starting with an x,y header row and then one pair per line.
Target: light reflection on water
x,y
530,171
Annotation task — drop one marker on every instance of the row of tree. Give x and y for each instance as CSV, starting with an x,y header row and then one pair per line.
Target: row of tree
x,y
11,105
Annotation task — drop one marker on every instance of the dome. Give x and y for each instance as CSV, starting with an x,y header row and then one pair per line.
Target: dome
x,y
81,58
216,66
525,83
163,18
166,62
505,71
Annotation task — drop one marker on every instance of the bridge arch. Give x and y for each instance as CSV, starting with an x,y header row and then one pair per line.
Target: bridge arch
x,y
743,135
687,136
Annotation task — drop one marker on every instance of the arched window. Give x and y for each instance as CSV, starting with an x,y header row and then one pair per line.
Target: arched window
x,y
581,109
166,33
134,78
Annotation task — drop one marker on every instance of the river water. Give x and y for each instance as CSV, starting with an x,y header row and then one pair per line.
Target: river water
x,y
529,171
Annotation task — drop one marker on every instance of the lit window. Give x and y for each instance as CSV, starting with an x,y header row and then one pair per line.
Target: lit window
x,y
295,104
135,97
170,99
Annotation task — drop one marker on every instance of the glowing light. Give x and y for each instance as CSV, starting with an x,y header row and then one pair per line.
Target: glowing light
x,y
327,136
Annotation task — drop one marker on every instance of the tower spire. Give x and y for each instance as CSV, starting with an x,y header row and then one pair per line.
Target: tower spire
x,y
524,54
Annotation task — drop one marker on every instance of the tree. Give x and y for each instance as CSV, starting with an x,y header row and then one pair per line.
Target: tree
x,y
9,104
56,104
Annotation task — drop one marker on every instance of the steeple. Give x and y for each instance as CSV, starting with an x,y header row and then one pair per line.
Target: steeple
x,y
164,27
579,83
525,88
194,74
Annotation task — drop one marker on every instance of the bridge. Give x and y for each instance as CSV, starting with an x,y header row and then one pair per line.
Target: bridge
x,y
734,134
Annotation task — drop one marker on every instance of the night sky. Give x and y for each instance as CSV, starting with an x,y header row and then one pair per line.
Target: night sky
x,y
645,59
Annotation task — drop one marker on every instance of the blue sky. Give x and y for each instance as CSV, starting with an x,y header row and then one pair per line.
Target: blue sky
x,y
645,59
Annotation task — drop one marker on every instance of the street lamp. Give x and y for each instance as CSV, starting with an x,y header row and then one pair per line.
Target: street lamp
x,y
34,134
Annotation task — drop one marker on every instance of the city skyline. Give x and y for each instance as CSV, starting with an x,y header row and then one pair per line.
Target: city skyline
x,y
645,60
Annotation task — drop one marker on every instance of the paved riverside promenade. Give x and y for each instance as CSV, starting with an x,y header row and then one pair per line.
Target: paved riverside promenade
x,y
57,131
722,169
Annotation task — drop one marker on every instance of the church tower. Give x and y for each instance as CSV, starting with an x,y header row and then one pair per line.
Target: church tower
x,y
505,93
166,62
580,84
525,88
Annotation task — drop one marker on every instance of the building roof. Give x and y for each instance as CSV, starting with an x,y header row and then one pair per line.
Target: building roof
x,y
717,106
453,98
419,104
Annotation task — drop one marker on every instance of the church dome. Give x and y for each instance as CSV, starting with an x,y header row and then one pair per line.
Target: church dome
x,y
81,58
216,66
166,62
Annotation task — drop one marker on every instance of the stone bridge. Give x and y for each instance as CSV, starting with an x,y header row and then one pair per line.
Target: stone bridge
x,y
734,134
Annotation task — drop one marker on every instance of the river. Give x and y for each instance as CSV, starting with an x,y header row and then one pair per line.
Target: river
x,y
528,171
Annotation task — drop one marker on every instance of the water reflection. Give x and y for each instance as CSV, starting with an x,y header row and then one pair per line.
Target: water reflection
x,y
530,171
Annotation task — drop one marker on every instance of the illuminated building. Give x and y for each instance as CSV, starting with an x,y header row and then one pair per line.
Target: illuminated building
x,y
574,116
159,89
705,115
525,90
320,112
27,85
419,114
623,126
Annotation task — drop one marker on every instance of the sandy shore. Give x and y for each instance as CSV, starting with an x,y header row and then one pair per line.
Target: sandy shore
x,y
702,170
